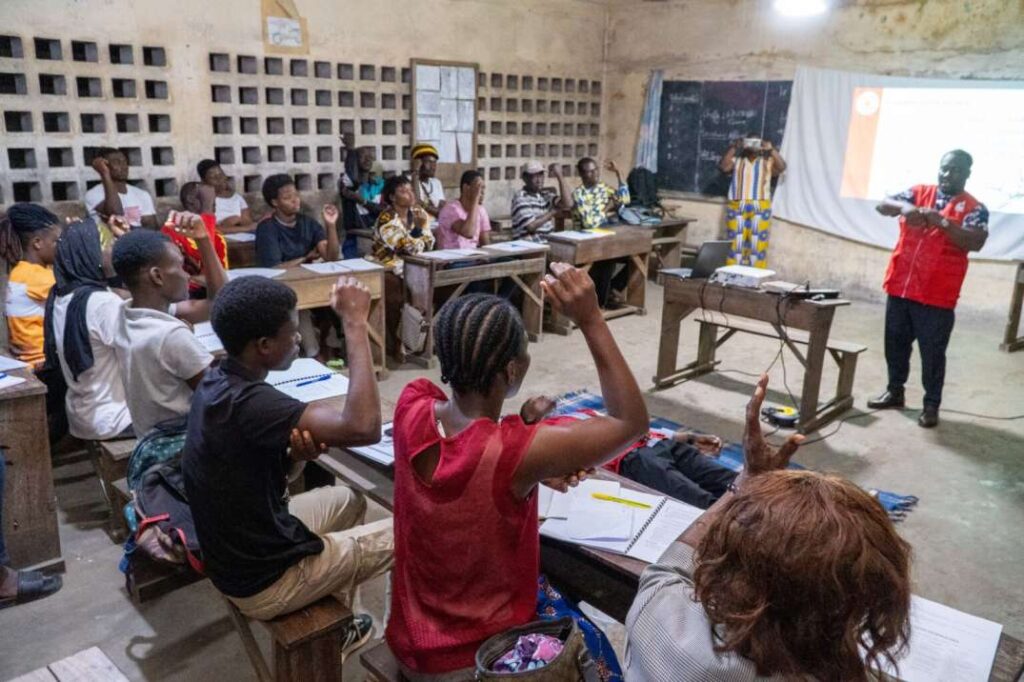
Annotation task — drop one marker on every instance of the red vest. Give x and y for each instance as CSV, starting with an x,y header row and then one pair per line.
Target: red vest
x,y
926,266
467,553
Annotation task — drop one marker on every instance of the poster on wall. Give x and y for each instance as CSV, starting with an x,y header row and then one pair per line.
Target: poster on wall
x,y
444,104
284,29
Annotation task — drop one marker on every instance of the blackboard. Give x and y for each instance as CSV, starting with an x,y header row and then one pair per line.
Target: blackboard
x,y
700,118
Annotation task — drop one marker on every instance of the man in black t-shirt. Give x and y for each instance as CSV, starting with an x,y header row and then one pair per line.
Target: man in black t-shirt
x,y
269,555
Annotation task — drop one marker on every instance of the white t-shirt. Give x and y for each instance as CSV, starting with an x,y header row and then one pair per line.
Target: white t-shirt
x,y
229,207
431,192
157,354
96,404
135,202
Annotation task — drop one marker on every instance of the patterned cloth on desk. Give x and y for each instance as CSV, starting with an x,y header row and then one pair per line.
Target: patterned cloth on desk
x,y
591,204
748,212
551,605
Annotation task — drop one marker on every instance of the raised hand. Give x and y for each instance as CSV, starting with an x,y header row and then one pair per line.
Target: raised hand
x,y
610,166
571,292
536,408
101,166
188,224
915,217
330,214
707,444
760,456
119,226
350,299
555,170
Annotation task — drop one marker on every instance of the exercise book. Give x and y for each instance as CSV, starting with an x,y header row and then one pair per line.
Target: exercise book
x,y
383,451
309,380
207,337
625,521
7,364
241,237
340,267
270,273
452,254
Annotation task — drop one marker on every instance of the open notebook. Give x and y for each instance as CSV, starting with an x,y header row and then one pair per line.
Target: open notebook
x,y
308,380
643,532
382,452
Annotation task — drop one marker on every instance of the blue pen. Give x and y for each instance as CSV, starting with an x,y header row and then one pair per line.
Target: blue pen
x,y
322,377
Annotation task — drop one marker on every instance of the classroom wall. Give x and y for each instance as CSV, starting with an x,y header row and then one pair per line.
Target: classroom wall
x,y
744,40
546,41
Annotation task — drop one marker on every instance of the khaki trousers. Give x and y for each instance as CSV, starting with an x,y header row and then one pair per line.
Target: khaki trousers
x,y
353,554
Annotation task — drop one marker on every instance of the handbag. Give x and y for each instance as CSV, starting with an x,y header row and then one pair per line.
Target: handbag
x,y
572,664
413,328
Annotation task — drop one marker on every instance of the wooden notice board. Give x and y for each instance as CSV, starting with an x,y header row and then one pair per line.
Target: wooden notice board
x,y
444,113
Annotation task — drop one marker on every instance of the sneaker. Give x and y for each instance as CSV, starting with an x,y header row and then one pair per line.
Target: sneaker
x,y
356,634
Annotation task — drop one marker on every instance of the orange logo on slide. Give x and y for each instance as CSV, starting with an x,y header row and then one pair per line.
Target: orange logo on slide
x,y
860,142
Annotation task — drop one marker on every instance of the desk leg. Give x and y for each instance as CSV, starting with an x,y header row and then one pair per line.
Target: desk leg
x,y
636,290
533,303
816,347
558,323
378,333
1011,342
672,315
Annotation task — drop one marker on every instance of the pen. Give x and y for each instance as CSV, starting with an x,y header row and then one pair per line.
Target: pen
x,y
620,500
322,377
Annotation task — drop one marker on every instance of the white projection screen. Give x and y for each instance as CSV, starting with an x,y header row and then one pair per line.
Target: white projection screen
x,y
851,139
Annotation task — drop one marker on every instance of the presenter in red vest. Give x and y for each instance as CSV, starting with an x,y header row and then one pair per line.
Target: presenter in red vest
x,y
939,225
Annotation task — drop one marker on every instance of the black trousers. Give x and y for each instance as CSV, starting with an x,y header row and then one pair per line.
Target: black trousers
x,y
678,470
907,321
606,278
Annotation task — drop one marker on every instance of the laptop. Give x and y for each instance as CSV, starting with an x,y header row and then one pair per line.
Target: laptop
x,y
710,256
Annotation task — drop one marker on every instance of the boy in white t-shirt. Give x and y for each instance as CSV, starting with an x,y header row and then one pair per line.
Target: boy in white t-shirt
x,y
232,211
114,196
159,357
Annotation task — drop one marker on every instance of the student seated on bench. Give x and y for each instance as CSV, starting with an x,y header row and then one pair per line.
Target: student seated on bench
x,y
596,204
82,318
466,534
197,198
287,237
464,223
402,229
230,208
271,556
793,575
160,358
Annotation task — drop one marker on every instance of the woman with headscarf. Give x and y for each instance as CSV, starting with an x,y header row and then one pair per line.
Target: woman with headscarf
x,y
82,317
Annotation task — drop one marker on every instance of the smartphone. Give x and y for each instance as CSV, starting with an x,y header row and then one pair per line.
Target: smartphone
x,y
751,143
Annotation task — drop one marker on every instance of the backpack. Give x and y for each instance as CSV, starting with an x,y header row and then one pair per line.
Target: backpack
x,y
643,187
158,514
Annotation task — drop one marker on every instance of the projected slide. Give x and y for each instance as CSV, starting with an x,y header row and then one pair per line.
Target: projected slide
x,y
899,134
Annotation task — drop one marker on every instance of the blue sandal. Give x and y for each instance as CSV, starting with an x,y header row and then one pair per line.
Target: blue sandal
x,y
32,585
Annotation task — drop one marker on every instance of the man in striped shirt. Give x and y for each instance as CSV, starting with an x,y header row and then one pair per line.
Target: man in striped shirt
x,y
754,165
534,206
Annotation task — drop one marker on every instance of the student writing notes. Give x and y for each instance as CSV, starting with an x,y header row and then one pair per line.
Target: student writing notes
x,y
466,477
268,555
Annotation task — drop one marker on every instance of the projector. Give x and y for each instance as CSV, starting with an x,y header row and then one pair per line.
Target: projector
x,y
742,276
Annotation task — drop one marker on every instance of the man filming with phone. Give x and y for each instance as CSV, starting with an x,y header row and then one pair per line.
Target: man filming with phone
x,y
754,164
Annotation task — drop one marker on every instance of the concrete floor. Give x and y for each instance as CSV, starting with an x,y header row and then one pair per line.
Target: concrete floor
x,y
966,531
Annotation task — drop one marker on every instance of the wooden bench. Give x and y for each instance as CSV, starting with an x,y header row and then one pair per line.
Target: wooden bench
x,y
380,664
843,353
306,643
110,459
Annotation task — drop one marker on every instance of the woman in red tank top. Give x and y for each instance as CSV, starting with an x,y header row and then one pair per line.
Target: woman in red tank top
x,y
466,534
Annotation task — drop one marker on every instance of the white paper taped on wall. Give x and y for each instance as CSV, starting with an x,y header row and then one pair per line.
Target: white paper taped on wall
x,y
284,32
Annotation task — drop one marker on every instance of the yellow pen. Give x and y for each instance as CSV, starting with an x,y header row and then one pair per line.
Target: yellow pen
x,y
620,500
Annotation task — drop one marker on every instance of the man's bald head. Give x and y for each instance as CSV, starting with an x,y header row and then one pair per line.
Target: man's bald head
x,y
954,169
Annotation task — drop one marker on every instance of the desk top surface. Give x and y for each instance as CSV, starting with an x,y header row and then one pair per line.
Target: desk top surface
x,y
298,273
31,386
691,286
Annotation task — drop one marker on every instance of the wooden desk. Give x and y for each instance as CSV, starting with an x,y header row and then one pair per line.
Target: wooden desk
x,y
630,242
241,254
30,505
684,296
605,580
1012,341
314,291
425,276
667,245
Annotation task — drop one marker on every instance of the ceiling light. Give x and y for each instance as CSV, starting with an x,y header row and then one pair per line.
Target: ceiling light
x,y
800,8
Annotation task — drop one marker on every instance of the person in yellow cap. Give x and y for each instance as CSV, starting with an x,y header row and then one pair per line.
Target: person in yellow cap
x,y
427,188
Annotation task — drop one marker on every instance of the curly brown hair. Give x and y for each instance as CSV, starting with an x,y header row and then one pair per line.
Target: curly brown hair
x,y
804,571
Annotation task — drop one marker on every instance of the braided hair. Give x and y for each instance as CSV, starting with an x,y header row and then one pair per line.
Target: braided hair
x,y
477,336
17,227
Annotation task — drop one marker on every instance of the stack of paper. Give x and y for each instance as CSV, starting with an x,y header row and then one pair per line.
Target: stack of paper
x,y
308,380
453,254
341,267
382,452
205,335
7,364
516,246
241,237
579,235
7,380
270,273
